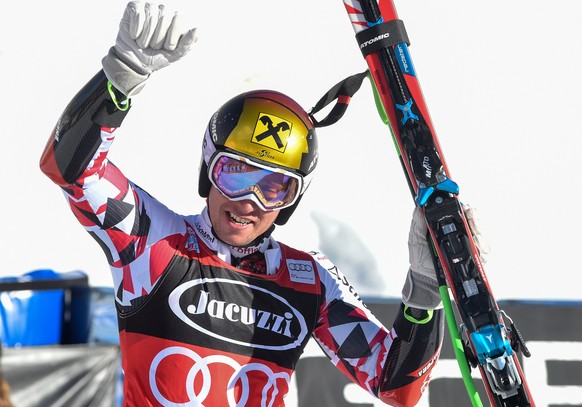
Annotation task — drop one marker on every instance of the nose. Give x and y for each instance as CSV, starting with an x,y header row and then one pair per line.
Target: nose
x,y
246,206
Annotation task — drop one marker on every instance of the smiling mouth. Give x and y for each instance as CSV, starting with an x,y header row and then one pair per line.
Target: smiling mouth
x,y
238,220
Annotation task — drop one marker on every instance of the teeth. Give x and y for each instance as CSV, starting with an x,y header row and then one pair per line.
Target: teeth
x,y
239,220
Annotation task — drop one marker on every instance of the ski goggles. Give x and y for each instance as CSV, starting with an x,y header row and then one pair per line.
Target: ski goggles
x,y
238,178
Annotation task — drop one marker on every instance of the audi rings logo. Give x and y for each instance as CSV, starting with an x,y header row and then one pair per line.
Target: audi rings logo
x,y
239,313
300,267
201,375
301,271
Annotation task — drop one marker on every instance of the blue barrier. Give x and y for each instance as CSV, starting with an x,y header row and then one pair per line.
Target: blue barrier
x,y
44,307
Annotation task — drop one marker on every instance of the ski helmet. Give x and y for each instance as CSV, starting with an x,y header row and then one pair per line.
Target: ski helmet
x,y
267,128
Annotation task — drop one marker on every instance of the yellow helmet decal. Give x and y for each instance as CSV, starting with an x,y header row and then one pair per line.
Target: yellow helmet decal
x,y
272,131
278,137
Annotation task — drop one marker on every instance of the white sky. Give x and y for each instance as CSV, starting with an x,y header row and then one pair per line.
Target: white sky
x,y
502,82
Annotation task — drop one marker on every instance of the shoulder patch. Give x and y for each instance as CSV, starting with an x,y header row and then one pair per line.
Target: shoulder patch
x,y
301,271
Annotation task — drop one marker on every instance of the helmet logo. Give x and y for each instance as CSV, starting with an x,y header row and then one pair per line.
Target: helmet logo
x,y
272,132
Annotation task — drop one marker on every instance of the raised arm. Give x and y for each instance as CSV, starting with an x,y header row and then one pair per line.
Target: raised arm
x,y
126,221
391,364
149,39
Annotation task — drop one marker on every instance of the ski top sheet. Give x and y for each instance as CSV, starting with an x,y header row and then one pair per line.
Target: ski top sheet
x,y
488,343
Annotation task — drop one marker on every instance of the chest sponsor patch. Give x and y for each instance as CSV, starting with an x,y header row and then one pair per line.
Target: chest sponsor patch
x,y
301,271
239,313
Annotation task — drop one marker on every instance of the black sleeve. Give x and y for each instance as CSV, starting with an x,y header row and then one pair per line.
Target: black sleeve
x,y
412,355
77,134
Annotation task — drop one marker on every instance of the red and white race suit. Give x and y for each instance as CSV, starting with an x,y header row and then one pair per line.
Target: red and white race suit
x,y
195,330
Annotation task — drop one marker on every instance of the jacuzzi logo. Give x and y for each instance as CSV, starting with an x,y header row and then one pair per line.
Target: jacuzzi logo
x,y
205,305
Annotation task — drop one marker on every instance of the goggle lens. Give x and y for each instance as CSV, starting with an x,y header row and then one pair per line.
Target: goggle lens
x,y
239,179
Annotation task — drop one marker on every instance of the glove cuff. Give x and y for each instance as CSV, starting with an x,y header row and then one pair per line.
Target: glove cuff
x,y
124,78
421,292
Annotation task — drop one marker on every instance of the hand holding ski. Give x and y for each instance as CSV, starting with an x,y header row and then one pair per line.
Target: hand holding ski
x,y
489,344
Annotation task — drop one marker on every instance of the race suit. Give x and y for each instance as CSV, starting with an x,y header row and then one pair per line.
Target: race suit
x,y
195,330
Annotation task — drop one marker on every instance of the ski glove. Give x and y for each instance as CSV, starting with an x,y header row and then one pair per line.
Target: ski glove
x,y
482,244
150,38
421,289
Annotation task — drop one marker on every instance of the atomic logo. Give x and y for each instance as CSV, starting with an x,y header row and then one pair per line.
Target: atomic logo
x,y
272,132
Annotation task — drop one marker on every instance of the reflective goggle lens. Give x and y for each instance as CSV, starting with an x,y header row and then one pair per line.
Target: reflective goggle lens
x,y
238,179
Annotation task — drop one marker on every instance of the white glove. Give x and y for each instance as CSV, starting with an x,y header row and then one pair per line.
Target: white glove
x,y
421,289
482,244
150,38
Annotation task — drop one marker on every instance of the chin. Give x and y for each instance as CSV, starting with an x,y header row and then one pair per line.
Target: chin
x,y
235,240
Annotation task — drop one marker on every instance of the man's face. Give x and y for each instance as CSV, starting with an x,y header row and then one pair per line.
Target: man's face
x,y
237,223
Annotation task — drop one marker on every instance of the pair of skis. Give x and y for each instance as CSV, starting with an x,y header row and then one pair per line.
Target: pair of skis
x,y
480,332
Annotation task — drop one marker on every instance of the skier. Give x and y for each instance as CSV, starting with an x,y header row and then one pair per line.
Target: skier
x,y
212,310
